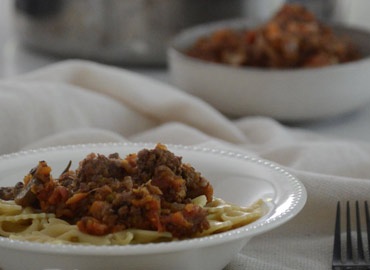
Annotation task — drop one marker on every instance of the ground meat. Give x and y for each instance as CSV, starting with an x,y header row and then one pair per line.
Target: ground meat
x,y
67,179
196,184
172,186
94,167
190,220
9,193
151,191
147,201
149,160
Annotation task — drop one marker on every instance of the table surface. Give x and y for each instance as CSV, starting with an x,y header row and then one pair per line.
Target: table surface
x,y
15,59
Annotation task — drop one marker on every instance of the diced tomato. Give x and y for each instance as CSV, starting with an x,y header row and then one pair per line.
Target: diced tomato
x,y
92,226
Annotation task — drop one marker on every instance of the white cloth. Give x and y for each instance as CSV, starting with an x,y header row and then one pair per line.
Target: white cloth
x,y
80,102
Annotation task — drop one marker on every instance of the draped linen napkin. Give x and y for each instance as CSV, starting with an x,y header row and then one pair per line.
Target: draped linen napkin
x,y
83,102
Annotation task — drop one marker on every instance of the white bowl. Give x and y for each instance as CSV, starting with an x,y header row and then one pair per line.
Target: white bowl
x,y
290,95
235,177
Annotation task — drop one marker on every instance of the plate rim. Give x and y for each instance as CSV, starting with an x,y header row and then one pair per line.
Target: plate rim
x,y
299,198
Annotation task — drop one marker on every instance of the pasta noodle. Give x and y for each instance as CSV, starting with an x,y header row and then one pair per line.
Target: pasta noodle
x,y
20,221
9,208
224,216
23,224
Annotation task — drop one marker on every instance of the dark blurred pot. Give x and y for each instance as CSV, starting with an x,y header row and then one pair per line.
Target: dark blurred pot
x,y
115,31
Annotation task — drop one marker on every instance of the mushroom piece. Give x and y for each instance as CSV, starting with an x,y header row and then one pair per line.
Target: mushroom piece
x,y
27,196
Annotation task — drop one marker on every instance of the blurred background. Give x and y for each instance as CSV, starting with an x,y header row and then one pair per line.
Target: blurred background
x,y
131,33
134,34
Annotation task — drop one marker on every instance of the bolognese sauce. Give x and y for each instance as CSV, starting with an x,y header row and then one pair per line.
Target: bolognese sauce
x,y
292,38
150,190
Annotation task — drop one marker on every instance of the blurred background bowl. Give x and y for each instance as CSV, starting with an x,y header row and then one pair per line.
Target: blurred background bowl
x,y
114,31
133,32
288,95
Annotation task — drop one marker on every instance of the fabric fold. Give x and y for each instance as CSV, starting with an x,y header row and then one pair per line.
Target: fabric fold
x,y
153,99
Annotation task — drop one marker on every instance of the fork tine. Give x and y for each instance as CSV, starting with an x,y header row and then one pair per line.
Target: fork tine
x,y
337,252
360,246
350,264
367,215
349,236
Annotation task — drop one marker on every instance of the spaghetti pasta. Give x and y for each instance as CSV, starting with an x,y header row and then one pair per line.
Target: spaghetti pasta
x,y
45,228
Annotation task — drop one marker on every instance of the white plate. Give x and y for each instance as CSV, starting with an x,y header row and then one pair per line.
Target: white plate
x,y
235,177
289,95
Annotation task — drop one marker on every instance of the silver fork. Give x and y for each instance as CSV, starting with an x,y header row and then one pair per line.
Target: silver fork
x,y
349,263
